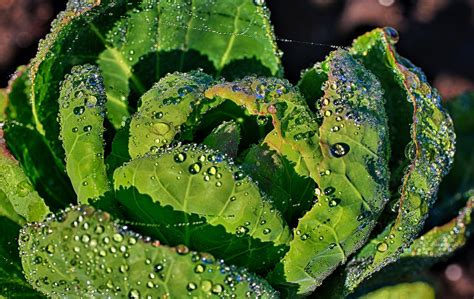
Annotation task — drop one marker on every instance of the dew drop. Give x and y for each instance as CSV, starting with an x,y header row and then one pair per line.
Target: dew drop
x,y
158,115
134,294
217,289
382,247
241,230
199,268
329,190
159,267
180,158
79,110
87,128
339,150
334,202
391,34
195,168
304,237
191,286
212,170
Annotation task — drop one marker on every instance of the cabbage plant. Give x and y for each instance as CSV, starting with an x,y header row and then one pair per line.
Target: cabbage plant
x,y
153,149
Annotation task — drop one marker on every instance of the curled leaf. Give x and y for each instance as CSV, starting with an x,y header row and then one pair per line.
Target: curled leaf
x,y
82,111
18,199
429,157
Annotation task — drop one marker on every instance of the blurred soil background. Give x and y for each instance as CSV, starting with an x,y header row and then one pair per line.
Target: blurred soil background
x,y
437,35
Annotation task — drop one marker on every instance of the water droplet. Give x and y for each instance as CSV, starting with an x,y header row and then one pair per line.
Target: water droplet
x,y
195,168
134,294
117,238
159,267
85,238
382,247
180,158
327,113
391,34
199,268
161,128
50,249
191,286
239,175
212,170
329,190
339,150
304,237
266,231
79,110
334,202
217,288
87,128
75,129
158,115
241,230
206,285
182,249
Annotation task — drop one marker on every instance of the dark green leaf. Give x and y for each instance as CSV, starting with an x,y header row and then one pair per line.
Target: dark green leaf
x,y
225,138
43,169
291,193
12,280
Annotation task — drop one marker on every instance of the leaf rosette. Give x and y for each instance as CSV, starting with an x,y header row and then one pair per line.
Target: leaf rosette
x,y
224,179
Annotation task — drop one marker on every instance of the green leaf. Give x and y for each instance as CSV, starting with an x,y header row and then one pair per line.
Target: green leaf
x,y
18,93
136,43
351,176
12,280
83,253
433,246
429,159
414,290
120,153
291,193
225,138
443,240
204,202
43,169
82,111
225,31
18,199
174,103
50,181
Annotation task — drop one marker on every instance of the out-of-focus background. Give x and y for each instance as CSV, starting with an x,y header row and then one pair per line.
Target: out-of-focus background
x,y
437,35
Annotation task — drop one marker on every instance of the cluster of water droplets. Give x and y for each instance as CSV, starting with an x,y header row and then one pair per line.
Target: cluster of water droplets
x,y
83,250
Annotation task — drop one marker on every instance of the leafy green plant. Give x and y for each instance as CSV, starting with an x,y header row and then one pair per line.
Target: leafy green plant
x,y
195,170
